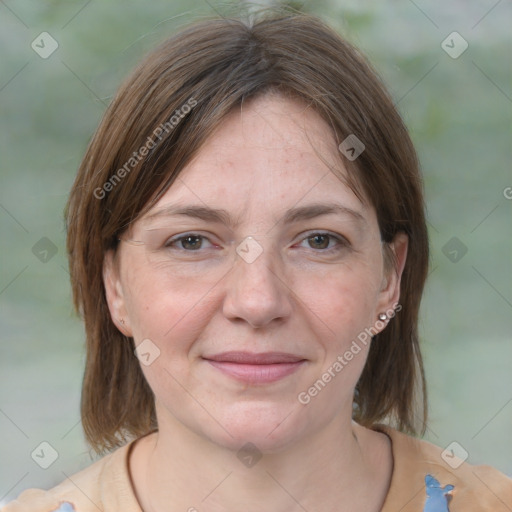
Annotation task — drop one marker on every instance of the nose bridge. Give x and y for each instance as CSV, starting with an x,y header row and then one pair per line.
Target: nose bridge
x,y
255,291
256,266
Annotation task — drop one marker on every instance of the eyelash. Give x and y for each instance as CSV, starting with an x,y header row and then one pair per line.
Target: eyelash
x,y
341,241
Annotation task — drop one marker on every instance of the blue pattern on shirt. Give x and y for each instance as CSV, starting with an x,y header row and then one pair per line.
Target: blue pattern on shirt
x,y
65,507
437,497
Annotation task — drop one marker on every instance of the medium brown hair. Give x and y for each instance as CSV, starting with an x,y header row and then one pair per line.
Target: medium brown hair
x,y
215,65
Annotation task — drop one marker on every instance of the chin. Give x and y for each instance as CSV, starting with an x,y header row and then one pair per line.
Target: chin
x,y
269,427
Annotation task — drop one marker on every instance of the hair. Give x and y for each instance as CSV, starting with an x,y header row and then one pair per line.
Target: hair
x,y
214,66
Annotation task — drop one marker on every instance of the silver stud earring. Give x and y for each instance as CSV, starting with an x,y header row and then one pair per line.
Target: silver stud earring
x,y
121,320
383,317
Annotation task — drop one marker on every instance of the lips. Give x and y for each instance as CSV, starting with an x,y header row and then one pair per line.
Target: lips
x,y
256,368
251,358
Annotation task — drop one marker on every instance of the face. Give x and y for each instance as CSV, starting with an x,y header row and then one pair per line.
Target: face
x,y
250,284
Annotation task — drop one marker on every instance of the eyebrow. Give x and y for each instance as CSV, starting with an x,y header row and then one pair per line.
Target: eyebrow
x,y
316,210
221,216
198,212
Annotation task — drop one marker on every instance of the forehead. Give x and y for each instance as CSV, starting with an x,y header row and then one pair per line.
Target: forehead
x,y
266,157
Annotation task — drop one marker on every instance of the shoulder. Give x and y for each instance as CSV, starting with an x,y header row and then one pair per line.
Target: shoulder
x,y
78,492
104,485
427,478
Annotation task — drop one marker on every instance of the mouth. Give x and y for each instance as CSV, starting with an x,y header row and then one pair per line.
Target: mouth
x,y
254,368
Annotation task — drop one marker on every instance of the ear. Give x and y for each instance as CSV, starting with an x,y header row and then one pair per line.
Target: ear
x,y
114,294
394,263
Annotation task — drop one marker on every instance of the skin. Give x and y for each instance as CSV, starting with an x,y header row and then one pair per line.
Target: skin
x,y
302,295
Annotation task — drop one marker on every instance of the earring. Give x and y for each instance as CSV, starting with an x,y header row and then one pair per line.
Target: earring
x,y
383,317
121,320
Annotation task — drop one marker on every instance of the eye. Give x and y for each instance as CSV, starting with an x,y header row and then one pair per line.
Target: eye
x,y
188,242
322,241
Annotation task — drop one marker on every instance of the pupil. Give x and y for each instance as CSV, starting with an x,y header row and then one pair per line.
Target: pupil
x,y
191,242
321,241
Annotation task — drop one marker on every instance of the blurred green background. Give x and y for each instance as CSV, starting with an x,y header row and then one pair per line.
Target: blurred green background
x,y
459,112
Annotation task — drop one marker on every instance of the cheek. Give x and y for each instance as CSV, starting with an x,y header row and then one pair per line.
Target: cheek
x,y
340,306
166,309
342,299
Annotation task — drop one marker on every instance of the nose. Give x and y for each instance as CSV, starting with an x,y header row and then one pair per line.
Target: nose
x,y
256,292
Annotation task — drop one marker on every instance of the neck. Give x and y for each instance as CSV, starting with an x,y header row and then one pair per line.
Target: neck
x,y
331,470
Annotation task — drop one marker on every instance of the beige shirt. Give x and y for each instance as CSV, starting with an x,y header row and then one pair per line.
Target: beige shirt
x,y
421,482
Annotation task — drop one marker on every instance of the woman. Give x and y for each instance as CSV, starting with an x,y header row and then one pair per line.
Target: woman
x,y
248,249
